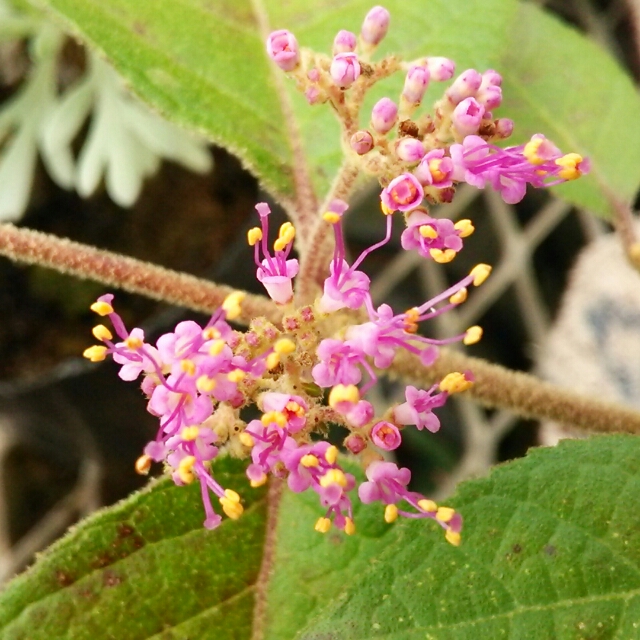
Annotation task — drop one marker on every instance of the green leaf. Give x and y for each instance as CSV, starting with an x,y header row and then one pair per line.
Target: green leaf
x,y
559,83
551,549
145,568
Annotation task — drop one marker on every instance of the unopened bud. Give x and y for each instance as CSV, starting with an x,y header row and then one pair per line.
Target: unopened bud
x,y
361,142
384,115
467,116
415,84
410,150
282,48
464,86
345,69
375,26
344,42
440,69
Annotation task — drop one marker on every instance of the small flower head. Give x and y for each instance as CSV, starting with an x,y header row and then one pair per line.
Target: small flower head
x,y
416,84
344,42
384,115
464,86
418,409
345,69
282,48
467,116
386,436
361,142
375,26
440,69
403,193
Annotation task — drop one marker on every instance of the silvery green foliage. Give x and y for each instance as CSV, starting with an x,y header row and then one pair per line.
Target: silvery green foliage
x,y
126,141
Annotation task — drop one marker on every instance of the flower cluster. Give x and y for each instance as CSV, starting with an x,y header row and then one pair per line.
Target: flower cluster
x,y
317,366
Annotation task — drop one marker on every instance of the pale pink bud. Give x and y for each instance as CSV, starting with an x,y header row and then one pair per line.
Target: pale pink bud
x,y
504,127
410,150
313,75
312,94
464,86
344,42
345,69
441,68
384,115
375,25
415,84
282,48
361,142
467,116
355,443
491,78
386,436
490,97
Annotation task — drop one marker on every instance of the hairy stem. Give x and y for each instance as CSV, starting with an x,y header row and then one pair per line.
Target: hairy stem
x,y
623,220
136,276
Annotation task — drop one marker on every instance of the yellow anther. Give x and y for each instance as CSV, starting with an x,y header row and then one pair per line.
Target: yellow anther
x,y
455,382
444,514
472,335
427,231
428,505
97,353
217,347
232,495
274,416
465,227
480,273
246,439
331,454
237,375
188,366
100,332
459,297
286,236
331,217
435,171
322,525
295,408
344,393
232,508
386,210
185,469
333,476
349,526
390,513
530,151
411,317
453,537
259,482
205,384
143,464
442,256
569,164
189,433
273,360
101,308
309,461
210,333
284,346
231,304
133,343
254,235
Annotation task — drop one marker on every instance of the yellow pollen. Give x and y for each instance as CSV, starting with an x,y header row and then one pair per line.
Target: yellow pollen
x,y
190,433
322,525
254,235
274,416
331,455
273,360
295,408
205,384
216,347
237,375
210,333
231,507
569,164
453,537
333,476
459,297
427,231
259,482
455,383
465,227
480,273
232,495
472,335
143,464
428,505
331,217
530,151
349,526
386,210
185,469
285,236
97,353
442,256
344,393
100,332
101,308
390,513
444,514
133,343
231,304
434,169
309,461
284,346
188,367
246,439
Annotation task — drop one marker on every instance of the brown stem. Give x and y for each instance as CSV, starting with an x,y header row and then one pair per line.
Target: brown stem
x,y
623,220
521,393
136,276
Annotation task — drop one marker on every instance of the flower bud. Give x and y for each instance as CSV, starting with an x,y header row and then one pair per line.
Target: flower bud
x,y
361,142
490,97
410,150
464,86
467,116
386,436
355,443
375,25
282,48
344,42
440,69
504,127
491,78
384,115
415,84
344,69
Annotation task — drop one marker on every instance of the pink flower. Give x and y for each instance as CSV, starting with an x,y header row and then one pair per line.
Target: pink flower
x,y
418,409
384,115
375,26
344,42
386,436
424,233
282,48
415,84
402,193
345,69
435,170
467,116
